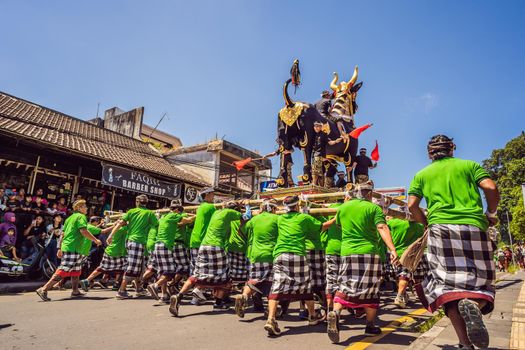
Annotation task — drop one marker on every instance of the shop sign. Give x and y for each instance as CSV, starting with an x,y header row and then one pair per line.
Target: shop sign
x,y
396,192
139,182
191,195
268,185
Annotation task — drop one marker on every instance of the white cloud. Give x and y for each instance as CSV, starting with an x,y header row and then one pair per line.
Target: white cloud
x,y
424,103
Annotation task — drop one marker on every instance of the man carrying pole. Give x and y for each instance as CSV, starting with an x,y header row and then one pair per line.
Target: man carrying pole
x,y
460,250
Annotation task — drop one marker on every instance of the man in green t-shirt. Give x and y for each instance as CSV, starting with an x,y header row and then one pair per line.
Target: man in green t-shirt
x,y
261,233
404,233
459,251
363,225
139,221
211,269
75,229
113,261
291,275
200,225
94,228
237,247
169,233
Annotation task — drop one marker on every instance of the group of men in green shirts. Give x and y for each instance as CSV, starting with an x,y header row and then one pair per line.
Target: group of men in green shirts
x,y
293,255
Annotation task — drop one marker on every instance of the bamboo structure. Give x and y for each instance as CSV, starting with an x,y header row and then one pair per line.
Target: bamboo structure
x,y
317,202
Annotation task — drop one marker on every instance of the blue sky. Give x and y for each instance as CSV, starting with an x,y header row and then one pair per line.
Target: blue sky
x,y
217,67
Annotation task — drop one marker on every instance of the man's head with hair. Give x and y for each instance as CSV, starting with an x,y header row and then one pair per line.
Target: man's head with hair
x,y
440,146
207,194
142,200
80,204
291,203
364,190
268,205
232,205
176,205
95,219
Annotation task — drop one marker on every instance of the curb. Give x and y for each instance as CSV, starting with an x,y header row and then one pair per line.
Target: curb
x,y
20,287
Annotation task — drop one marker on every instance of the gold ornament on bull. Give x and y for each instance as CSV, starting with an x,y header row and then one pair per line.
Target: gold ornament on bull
x,y
343,86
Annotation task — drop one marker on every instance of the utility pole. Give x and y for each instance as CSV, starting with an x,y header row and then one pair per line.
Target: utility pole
x,y
510,238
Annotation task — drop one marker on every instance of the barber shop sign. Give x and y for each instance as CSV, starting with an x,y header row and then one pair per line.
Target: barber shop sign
x,y
139,182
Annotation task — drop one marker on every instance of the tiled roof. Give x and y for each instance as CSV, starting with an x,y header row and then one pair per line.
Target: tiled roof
x,y
27,120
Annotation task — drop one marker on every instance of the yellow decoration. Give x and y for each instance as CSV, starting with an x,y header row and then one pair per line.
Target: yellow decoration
x,y
326,128
289,115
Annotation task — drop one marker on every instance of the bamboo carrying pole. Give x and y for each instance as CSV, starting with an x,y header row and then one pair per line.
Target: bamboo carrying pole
x,y
309,199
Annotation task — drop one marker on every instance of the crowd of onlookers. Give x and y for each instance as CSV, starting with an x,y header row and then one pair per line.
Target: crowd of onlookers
x,y
506,256
27,219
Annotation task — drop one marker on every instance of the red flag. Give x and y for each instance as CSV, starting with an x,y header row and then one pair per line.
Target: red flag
x,y
239,164
357,132
375,153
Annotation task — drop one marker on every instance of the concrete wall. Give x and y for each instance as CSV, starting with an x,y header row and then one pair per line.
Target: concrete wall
x,y
127,123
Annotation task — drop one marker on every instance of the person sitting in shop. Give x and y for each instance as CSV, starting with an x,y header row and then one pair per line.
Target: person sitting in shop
x,y
38,206
37,229
62,206
40,193
7,245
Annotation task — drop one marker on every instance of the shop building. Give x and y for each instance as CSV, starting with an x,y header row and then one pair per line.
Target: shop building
x,y
63,155
213,162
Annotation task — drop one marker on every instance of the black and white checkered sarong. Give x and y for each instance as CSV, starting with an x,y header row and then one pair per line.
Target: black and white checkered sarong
x,y
238,266
332,273
71,262
135,258
152,263
181,259
112,264
291,278
164,259
317,265
460,265
211,267
260,272
359,279
194,253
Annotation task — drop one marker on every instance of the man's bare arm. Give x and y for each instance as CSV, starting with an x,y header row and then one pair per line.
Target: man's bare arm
x,y
415,210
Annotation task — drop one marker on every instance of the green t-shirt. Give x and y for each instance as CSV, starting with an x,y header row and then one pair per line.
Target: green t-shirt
x,y
219,227
169,230
186,232
86,245
450,188
313,237
237,242
404,233
152,238
117,248
292,228
358,219
140,221
200,225
73,239
333,236
262,231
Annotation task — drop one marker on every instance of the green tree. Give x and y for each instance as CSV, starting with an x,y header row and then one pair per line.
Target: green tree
x,y
507,167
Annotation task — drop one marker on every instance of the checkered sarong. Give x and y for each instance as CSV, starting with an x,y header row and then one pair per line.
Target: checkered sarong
x,y
70,264
238,266
164,259
260,272
317,265
194,253
291,278
422,270
112,264
460,266
135,258
332,273
152,263
211,267
359,280
181,259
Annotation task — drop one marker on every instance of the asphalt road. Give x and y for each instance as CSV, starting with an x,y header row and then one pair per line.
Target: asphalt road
x,y
99,321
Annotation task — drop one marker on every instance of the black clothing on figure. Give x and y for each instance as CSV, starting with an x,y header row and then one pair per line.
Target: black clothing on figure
x,y
341,183
362,165
320,142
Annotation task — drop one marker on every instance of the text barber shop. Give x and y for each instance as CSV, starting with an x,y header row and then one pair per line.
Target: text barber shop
x,y
135,181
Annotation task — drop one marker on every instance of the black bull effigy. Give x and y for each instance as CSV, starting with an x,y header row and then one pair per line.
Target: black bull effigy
x,y
296,129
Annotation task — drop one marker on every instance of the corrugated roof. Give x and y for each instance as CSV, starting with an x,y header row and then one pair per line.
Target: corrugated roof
x,y
28,120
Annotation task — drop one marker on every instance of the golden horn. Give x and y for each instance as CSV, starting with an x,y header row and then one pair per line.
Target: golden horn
x,y
354,78
333,84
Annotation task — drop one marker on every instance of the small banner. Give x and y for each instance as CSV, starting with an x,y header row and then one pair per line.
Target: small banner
x,y
191,195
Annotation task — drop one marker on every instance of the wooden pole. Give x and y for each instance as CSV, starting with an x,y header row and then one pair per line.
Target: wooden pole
x,y
33,178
